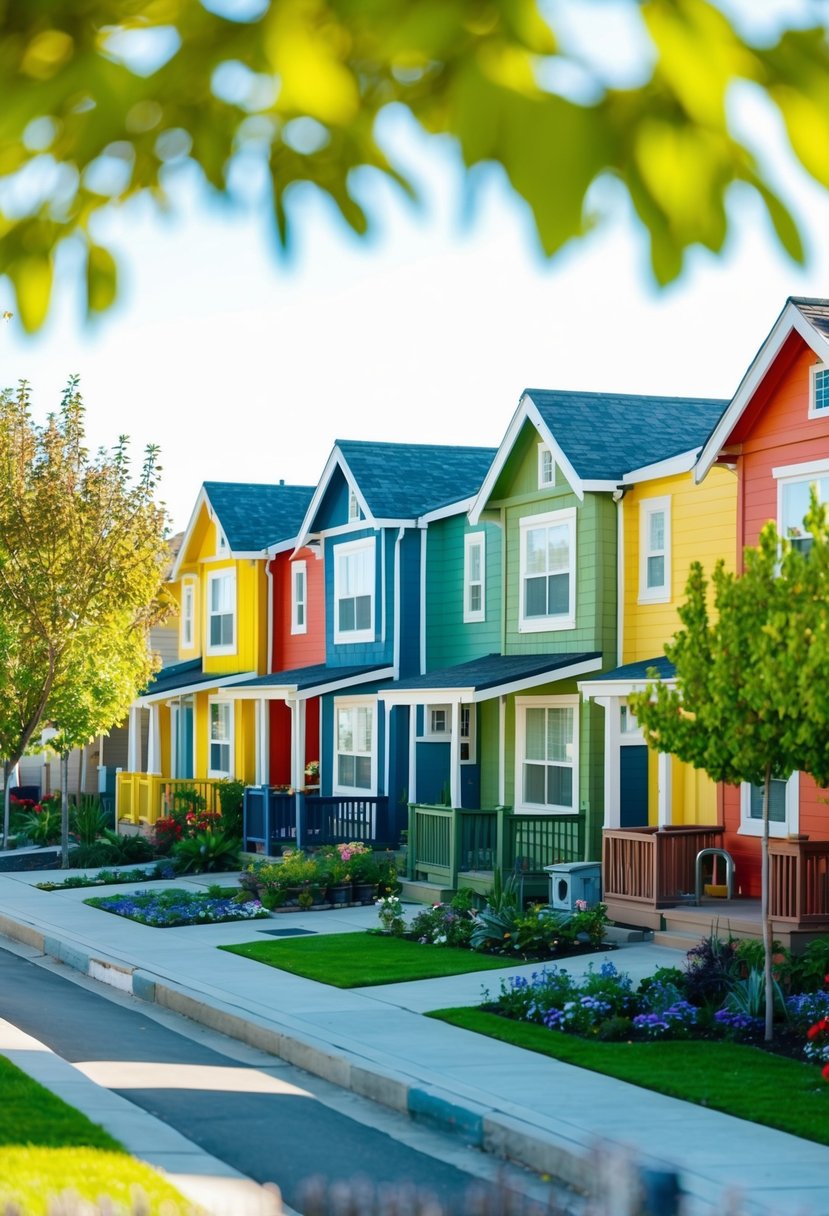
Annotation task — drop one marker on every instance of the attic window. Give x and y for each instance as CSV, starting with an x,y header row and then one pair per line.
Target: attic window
x,y
353,507
222,543
546,467
819,392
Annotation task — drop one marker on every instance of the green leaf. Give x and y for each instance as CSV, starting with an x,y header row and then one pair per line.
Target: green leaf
x,y
101,279
32,280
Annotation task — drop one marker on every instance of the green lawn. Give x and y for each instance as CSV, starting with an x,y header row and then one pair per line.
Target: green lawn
x,y
743,1081
357,960
47,1147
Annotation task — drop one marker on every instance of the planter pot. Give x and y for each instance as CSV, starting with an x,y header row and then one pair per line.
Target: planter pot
x,y
364,892
339,895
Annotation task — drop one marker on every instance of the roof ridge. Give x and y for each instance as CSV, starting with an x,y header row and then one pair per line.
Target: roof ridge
x,y
610,396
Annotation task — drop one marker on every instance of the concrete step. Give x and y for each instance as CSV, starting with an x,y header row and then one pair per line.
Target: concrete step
x,y
619,934
417,891
676,940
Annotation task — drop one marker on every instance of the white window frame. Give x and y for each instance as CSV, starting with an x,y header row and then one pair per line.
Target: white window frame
x,y
299,572
522,704
474,540
187,634
351,704
628,734
791,824
430,734
649,507
467,740
814,371
353,506
213,577
797,474
228,706
366,544
545,624
546,471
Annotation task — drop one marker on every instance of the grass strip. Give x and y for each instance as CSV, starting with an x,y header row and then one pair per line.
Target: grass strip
x,y
47,1147
360,960
743,1081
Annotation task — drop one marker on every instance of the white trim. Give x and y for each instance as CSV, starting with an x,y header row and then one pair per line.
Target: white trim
x,y
592,690
354,512
429,734
549,623
522,704
664,788
502,750
422,696
526,410
790,320
396,609
202,686
412,753
380,539
813,372
213,577
648,507
461,507
355,703
189,589
424,533
474,540
285,692
800,472
201,499
367,544
620,581
546,483
335,461
791,825
269,574
299,568
673,465
454,758
154,741
809,473
387,750
230,742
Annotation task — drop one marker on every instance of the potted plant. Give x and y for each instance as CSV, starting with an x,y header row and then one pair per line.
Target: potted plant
x,y
312,774
365,872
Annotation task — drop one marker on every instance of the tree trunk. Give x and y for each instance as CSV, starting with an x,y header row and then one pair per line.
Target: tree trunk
x,y
64,810
764,910
7,794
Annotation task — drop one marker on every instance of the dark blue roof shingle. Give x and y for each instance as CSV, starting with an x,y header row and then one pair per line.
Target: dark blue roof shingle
x,y
406,480
630,672
254,516
493,670
605,435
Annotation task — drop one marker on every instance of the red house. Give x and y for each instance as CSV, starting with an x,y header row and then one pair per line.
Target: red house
x,y
776,432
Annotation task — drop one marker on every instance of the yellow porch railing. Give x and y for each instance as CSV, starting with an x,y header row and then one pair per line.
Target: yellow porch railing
x,y
146,797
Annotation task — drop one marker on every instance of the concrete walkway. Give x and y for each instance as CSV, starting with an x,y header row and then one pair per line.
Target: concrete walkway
x,y
375,1042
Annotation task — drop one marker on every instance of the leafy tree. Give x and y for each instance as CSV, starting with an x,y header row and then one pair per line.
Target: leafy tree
x,y
106,97
751,701
82,553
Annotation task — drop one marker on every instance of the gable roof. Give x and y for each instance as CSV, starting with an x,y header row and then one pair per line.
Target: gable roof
x,y
402,481
597,439
809,317
492,675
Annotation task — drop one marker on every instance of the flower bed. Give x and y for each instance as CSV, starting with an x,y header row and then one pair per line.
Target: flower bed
x,y
167,909
109,878
333,876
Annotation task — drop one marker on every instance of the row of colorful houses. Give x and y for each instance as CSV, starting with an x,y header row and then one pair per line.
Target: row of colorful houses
x,y
441,640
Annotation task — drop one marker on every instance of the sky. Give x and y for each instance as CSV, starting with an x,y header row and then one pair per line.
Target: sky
x,y
246,366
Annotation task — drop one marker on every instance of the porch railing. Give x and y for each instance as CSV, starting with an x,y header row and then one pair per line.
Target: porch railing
x,y
272,819
147,797
445,842
652,866
799,882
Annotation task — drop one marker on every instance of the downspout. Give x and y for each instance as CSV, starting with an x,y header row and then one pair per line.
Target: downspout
x,y
396,625
269,570
619,499
383,587
424,530
504,581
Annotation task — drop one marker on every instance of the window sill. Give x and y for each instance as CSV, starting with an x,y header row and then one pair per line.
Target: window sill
x,y
654,597
546,624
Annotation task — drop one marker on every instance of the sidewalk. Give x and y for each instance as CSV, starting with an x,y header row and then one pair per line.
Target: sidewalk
x,y
374,1042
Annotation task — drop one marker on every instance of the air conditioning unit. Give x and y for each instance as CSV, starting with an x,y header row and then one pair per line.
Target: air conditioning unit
x,y
574,880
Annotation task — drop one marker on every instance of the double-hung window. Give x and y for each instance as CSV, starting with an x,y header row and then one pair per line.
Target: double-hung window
x,y
354,747
655,550
548,572
354,591
794,484
299,596
467,733
784,807
547,755
474,606
546,467
819,391
221,739
188,614
221,612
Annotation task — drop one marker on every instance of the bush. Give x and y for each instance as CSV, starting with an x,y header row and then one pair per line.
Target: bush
x,y
711,969
88,820
206,851
231,796
448,924
808,971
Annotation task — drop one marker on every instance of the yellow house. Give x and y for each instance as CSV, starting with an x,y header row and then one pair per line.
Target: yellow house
x,y
185,729
665,522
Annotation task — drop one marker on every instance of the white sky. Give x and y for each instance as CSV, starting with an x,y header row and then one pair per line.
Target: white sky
x,y
245,367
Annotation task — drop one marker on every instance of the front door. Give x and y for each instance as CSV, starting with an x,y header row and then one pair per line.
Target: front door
x,y
184,739
633,783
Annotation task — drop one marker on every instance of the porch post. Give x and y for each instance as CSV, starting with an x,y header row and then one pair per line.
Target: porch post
x,y
387,748
412,755
297,708
154,742
663,785
502,750
134,740
612,760
455,757
262,741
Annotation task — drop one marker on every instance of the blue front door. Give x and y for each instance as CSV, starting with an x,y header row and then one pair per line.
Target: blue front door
x,y
633,781
184,740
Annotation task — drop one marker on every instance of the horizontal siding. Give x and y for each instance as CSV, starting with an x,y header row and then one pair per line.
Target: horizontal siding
x,y
449,639
298,649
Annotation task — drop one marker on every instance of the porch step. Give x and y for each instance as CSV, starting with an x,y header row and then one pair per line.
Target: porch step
x,y
620,934
676,940
418,891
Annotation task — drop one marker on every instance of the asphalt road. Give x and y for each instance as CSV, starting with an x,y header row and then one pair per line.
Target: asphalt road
x,y
205,1086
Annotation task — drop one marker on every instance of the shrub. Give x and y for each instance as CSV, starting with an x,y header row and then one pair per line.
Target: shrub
x,y
88,820
445,924
587,925
809,969
494,928
528,1000
206,851
676,1021
711,969
41,824
231,796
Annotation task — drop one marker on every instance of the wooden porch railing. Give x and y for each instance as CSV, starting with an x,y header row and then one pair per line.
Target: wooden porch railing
x,y
799,882
148,797
651,866
445,843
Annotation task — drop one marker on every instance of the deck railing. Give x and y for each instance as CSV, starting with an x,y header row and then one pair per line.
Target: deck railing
x,y
273,819
446,843
147,797
799,882
652,866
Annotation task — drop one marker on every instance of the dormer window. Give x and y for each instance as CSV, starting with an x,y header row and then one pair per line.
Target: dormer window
x,y
353,507
546,467
819,392
221,612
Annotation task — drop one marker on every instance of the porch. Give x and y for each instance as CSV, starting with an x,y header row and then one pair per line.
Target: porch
x,y
648,877
146,797
457,848
273,819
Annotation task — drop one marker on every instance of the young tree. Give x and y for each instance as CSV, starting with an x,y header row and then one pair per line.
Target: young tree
x,y
109,97
82,552
751,701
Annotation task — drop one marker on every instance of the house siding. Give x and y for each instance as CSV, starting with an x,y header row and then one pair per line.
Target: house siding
x,y
292,650
449,639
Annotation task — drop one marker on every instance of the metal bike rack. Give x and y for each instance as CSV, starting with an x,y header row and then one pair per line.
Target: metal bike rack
x,y
729,871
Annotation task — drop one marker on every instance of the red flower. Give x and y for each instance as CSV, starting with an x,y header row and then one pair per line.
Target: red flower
x,y
825,1072
818,1028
